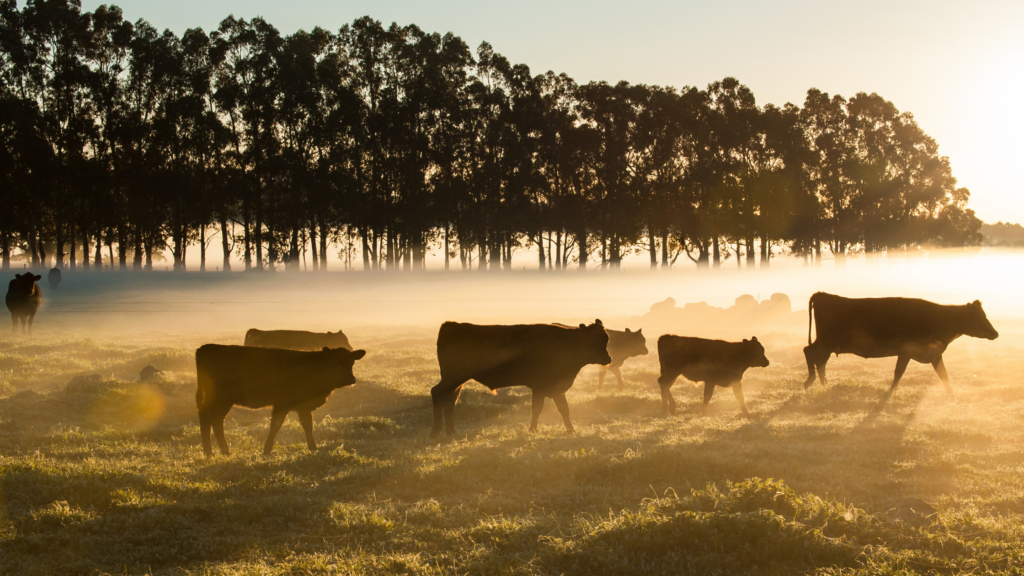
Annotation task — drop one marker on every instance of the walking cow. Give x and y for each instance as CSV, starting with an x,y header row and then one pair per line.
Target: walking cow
x,y
713,362
543,357
259,377
907,328
622,345
23,299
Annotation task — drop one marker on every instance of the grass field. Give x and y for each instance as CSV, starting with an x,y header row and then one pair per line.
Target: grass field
x,y
109,477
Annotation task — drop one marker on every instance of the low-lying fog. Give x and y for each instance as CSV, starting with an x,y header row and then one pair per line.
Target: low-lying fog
x,y
105,302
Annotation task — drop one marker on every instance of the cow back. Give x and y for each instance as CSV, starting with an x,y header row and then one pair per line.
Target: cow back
x,y
296,339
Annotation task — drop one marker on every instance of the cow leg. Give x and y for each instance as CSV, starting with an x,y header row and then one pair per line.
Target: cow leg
x,y
538,407
668,403
816,360
940,369
31,319
901,367
217,420
709,390
600,376
14,324
204,428
276,421
563,409
306,418
618,375
444,396
737,390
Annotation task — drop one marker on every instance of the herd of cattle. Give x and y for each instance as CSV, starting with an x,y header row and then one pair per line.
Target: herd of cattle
x,y
296,370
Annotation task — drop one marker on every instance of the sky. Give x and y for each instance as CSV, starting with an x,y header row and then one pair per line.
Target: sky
x,y
957,66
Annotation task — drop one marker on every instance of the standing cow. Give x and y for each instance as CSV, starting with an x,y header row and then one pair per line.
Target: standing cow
x,y
908,328
543,357
622,345
23,300
713,362
287,380
296,339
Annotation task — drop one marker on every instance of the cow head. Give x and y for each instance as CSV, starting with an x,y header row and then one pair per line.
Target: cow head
x,y
594,344
635,343
753,353
346,359
978,325
23,284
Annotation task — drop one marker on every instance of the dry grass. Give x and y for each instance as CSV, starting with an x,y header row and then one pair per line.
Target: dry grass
x,y
111,479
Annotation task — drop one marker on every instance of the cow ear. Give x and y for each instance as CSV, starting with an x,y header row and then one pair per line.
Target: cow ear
x,y
325,349
18,276
583,325
38,277
639,330
627,331
745,340
598,322
358,354
753,338
977,303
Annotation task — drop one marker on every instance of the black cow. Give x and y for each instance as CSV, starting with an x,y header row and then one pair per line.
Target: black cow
x,y
296,339
258,377
54,278
713,362
908,328
543,357
621,347
23,300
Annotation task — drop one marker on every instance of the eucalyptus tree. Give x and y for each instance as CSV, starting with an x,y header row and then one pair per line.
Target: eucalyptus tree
x,y
245,58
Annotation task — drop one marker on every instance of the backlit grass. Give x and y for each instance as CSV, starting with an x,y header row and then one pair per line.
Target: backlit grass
x,y
111,478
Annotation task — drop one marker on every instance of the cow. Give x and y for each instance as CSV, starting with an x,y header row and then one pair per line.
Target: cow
x,y
543,357
713,362
54,278
23,299
287,380
622,345
296,339
907,328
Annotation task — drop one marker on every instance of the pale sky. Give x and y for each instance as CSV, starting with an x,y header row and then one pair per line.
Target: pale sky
x,y
958,66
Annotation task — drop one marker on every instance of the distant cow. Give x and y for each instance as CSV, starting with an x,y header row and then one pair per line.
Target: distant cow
x,y
621,347
908,328
23,299
287,380
296,339
713,362
543,357
54,278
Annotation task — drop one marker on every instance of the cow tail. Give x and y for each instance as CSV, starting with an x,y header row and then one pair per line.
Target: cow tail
x,y
810,318
200,396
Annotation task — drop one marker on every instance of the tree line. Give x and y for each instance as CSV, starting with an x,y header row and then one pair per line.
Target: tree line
x,y
386,144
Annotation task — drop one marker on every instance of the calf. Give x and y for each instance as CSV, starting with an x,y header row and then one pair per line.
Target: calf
x,y
907,328
713,362
287,380
621,347
296,339
543,357
23,300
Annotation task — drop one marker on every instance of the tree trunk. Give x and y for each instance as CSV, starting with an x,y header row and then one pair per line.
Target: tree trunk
x,y
653,247
447,246
664,251
248,241
202,248
314,249
323,244
137,260
293,252
6,249
717,263
765,263
149,253
98,259
481,260
540,250
258,236
85,248
225,247
366,249
739,261
59,248
72,260
751,253
817,254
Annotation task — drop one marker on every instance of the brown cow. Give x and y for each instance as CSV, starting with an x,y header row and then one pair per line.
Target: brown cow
x,y
713,362
287,380
23,300
296,339
908,328
621,347
543,357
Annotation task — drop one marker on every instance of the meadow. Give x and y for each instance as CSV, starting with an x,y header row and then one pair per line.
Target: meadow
x,y
107,476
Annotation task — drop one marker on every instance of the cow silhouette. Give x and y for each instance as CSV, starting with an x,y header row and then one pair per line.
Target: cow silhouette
x,y
23,300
